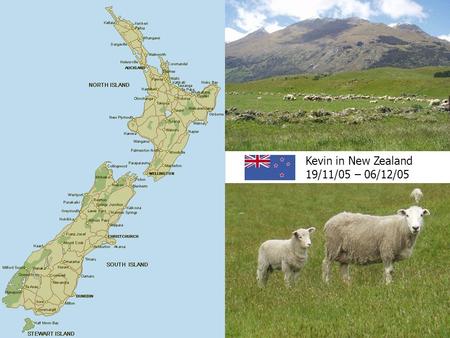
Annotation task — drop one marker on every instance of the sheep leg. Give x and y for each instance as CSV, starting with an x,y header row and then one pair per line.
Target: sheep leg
x,y
289,279
288,274
262,274
388,270
296,276
345,273
326,265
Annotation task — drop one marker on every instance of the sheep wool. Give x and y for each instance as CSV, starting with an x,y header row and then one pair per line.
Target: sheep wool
x,y
365,239
288,255
417,195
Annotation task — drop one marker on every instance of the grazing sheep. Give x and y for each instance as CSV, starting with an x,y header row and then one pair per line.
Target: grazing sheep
x,y
434,102
288,255
259,98
365,239
417,195
373,101
289,97
444,105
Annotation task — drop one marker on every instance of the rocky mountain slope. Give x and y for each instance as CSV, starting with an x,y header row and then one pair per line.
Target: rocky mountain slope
x,y
332,45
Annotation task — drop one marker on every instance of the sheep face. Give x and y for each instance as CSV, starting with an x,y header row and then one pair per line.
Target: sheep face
x,y
303,237
414,218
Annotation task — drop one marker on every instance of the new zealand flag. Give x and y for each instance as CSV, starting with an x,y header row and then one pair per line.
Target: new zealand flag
x,y
270,167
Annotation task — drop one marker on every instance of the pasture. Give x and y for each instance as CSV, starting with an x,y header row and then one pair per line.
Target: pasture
x,y
411,124
392,133
376,81
416,304
269,103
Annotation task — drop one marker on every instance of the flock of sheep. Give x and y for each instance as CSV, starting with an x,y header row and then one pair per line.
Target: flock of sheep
x,y
432,102
350,238
373,99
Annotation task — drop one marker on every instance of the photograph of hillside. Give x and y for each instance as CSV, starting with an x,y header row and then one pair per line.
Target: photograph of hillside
x,y
336,83
327,45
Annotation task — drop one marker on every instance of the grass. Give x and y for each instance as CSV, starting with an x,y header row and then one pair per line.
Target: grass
x,y
390,133
271,103
377,81
415,305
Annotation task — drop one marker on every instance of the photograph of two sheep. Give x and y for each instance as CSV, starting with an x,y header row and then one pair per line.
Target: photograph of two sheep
x,y
350,238
337,260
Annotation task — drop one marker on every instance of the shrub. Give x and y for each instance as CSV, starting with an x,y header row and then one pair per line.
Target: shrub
x,y
445,73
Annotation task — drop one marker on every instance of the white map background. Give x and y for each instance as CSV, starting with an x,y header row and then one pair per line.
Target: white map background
x,y
55,132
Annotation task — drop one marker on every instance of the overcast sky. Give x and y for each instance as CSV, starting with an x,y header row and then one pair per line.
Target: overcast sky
x,y
246,16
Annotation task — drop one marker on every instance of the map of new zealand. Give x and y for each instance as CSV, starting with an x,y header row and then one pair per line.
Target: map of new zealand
x,y
107,124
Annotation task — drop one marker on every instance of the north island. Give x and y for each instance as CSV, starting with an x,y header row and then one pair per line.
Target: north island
x,y
168,109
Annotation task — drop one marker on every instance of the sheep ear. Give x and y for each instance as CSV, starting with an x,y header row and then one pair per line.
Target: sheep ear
x,y
401,212
295,234
426,212
311,230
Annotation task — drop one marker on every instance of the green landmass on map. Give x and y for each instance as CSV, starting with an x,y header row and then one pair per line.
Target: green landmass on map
x,y
29,325
50,275
168,109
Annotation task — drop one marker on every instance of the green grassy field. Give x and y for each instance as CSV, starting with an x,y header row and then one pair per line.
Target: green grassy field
x,y
377,81
427,132
270,103
388,134
417,304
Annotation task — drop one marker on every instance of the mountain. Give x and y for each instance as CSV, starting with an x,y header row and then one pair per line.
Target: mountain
x,y
330,46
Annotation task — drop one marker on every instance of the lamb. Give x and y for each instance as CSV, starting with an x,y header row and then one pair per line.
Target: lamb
x,y
288,255
364,239
417,195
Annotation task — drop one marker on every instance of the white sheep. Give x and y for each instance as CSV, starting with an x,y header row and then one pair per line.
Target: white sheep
x,y
434,102
259,98
288,255
365,239
373,101
289,97
417,195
